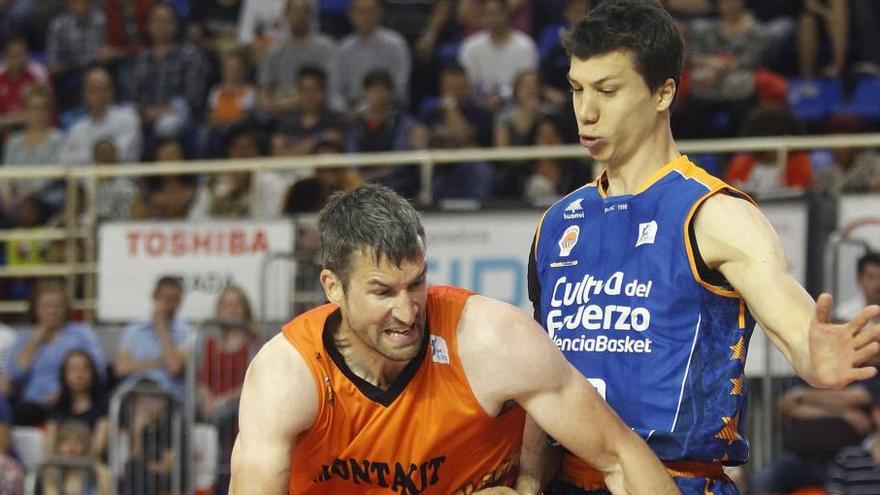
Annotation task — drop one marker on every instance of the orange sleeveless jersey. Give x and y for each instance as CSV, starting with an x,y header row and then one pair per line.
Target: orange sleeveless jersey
x,y
427,434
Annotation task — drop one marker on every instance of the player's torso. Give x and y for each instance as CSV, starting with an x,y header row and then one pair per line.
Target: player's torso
x,y
621,301
425,434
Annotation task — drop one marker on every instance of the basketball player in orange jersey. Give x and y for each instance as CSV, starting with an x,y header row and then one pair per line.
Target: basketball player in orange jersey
x,y
650,279
397,387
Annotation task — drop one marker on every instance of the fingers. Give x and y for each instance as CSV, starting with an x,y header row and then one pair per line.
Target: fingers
x,y
866,353
865,316
866,336
823,307
865,373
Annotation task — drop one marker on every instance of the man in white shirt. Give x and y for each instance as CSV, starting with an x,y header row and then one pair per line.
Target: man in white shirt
x,y
494,56
103,120
868,282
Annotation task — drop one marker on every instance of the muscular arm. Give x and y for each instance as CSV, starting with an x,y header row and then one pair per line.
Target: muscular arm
x,y
507,356
278,402
735,238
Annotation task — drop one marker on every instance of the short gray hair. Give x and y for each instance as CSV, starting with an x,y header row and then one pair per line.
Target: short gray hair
x,y
373,219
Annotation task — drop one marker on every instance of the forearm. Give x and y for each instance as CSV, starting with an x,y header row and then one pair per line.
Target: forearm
x,y
636,468
25,358
539,462
172,357
125,368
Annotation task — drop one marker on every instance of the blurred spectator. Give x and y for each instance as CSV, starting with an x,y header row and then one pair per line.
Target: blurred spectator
x,y
16,76
228,194
817,423
167,80
83,400
780,18
103,120
30,212
7,340
213,24
433,49
866,36
153,350
309,195
723,57
224,361
494,56
519,13
454,120
150,467
761,173
381,127
868,284
833,15
35,361
11,474
553,56
89,477
77,38
166,196
114,196
39,143
127,24
551,178
851,169
854,470
370,48
689,8
233,100
261,23
279,71
312,121
515,121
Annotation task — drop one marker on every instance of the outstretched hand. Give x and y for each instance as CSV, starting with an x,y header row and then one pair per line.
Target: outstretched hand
x,y
839,352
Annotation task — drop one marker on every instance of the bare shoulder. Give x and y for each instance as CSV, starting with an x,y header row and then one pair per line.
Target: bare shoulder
x,y
728,228
278,379
504,352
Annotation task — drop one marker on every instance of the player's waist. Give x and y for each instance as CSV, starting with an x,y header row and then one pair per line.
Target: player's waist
x,y
581,474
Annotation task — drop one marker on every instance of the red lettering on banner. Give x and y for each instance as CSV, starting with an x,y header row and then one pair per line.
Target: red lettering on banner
x,y
201,241
236,243
178,243
260,245
181,242
156,243
133,237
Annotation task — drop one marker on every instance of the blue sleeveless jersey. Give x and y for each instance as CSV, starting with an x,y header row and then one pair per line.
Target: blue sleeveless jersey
x,y
621,295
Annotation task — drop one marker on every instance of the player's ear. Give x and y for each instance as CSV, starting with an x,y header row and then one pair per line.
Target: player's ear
x,y
332,286
665,94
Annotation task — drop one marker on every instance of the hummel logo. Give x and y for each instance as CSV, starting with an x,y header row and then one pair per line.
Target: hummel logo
x,y
574,210
647,233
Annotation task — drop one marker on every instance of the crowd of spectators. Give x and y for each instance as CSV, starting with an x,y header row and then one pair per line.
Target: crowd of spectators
x,y
57,376
111,81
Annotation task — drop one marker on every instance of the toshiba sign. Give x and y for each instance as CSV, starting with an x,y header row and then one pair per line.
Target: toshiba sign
x,y
206,256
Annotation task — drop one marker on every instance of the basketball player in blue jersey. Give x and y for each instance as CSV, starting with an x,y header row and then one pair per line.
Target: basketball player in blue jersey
x,y
650,279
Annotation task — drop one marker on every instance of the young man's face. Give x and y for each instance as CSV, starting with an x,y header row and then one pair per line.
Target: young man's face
x,y
869,282
384,305
614,108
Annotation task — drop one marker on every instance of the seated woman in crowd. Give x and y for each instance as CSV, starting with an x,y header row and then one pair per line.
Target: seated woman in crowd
x,y
83,399
35,361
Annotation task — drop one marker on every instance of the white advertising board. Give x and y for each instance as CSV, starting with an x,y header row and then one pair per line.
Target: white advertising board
x,y
207,256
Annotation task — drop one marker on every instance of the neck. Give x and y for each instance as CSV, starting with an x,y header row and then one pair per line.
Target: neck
x,y
364,361
499,35
98,113
80,396
367,34
629,174
299,35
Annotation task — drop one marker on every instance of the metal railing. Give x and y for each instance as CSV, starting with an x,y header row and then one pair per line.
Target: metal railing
x,y
75,227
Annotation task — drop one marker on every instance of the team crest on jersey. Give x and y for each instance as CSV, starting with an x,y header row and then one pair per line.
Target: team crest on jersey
x,y
568,240
574,210
439,350
647,233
